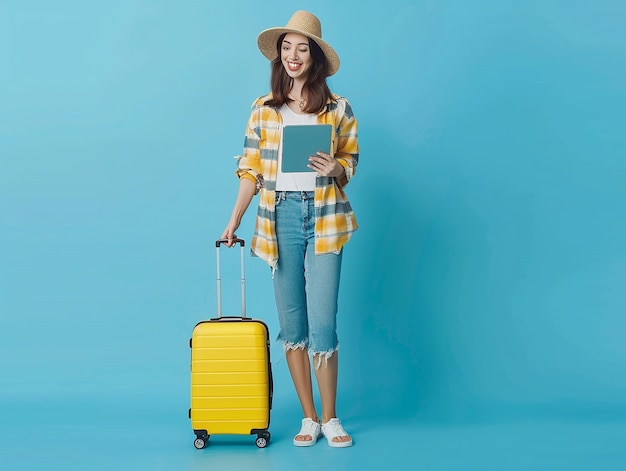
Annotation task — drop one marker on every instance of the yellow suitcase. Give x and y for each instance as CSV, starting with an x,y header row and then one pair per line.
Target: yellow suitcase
x,y
231,373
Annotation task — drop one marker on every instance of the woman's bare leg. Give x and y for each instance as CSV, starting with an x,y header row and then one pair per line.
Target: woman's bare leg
x,y
300,369
326,375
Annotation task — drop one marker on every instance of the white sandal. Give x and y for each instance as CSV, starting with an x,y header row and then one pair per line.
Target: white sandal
x,y
333,429
311,428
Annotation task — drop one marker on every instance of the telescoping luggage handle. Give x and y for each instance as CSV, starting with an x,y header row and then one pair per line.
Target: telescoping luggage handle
x,y
218,243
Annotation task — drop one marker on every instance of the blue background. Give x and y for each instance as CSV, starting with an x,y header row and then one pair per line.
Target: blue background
x,y
482,302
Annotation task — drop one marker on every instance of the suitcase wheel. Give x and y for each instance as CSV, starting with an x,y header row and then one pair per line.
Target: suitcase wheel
x,y
263,439
200,442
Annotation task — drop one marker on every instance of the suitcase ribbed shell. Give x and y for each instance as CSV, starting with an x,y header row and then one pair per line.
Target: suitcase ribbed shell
x,y
230,376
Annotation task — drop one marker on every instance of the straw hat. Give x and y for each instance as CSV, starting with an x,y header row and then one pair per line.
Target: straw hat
x,y
302,22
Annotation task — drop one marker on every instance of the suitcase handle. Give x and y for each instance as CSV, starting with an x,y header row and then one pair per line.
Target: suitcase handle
x,y
218,244
236,241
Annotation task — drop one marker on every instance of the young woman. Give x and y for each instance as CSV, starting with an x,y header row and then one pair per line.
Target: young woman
x,y
303,219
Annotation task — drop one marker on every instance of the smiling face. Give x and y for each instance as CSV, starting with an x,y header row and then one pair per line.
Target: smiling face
x,y
296,56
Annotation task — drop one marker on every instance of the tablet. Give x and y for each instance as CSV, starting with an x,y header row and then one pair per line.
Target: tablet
x,y
301,141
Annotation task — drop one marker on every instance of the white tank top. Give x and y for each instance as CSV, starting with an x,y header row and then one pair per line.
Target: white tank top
x,y
294,181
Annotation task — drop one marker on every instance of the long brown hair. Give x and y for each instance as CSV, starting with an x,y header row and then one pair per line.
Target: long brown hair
x,y
315,88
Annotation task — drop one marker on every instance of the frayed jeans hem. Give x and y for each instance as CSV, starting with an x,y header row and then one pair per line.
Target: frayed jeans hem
x,y
288,346
303,345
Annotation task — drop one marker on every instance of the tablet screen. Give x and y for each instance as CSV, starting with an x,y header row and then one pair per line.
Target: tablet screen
x,y
301,141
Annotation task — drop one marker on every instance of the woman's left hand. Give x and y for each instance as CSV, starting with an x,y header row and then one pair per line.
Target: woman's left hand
x,y
325,165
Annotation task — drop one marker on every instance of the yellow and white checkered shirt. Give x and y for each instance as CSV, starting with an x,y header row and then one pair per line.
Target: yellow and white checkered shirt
x,y
334,218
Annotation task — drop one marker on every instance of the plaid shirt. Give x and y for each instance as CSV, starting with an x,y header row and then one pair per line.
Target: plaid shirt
x,y
334,218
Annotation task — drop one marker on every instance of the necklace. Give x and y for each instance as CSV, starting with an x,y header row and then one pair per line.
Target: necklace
x,y
301,101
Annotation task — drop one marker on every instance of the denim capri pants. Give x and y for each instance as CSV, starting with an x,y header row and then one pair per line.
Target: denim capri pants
x,y
306,286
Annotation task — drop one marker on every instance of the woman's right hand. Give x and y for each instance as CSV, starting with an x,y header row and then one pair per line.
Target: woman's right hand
x,y
229,233
244,196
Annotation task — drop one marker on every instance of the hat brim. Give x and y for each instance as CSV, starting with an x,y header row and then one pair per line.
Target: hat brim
x,y
267,45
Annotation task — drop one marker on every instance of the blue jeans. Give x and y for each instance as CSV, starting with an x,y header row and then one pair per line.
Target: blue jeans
x,y
306,286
